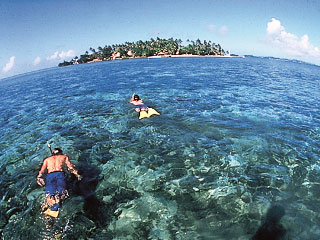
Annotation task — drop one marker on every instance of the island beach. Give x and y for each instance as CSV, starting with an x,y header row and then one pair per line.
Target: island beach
x,y
154,48
192,55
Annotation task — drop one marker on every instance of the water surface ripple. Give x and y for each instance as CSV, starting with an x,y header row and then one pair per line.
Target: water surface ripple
x,y
236,148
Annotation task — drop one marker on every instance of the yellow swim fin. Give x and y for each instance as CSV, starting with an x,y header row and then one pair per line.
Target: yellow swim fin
x,y
149,113
143,114
152,111
51,213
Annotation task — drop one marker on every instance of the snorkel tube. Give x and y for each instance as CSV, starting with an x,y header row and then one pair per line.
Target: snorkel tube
x,y
49,146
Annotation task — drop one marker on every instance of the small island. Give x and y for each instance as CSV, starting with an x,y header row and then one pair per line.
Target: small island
x,y
154,48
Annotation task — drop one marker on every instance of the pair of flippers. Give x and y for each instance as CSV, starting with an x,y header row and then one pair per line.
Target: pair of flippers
x,y
53,211
148,113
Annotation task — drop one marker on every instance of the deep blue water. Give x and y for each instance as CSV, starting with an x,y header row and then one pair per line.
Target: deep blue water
x,y
235,138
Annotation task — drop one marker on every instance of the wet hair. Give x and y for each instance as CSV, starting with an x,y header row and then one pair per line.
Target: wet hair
x,y
136,97
56,151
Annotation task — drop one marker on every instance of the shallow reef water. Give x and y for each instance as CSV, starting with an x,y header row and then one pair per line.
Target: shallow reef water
x,y
233,155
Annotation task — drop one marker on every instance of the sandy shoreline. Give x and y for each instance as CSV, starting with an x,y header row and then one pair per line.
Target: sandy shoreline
x,y
170,56
190,55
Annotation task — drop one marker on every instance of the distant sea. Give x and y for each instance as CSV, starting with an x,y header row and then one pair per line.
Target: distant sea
x,y
233,155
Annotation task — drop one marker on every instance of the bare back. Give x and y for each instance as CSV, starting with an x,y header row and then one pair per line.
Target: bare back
x,y
55,163
136,102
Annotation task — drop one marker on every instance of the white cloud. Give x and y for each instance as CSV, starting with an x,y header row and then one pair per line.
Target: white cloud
x,y
291,44
223,30
9,65
54,56
62,55
274,27
67,54
36,61
211,27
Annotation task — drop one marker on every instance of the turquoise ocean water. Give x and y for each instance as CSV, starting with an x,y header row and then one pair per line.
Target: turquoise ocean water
x,y
236,149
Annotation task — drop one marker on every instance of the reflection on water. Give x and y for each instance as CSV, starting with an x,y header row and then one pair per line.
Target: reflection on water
x,y
233,155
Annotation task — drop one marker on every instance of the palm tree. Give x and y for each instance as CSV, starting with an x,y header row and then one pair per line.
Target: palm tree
x,y
150,48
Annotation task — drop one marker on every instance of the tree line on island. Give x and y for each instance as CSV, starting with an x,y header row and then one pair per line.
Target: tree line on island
x,y
154,47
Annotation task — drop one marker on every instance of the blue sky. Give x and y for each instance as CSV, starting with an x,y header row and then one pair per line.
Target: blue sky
x,y
38,34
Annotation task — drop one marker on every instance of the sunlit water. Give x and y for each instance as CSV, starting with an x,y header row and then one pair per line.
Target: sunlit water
x,y
235,137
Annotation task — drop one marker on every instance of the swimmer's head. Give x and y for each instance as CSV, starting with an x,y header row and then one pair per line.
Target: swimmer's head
x,y
136,97
56,151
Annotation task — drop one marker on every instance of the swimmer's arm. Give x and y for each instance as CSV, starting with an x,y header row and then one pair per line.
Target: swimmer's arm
x,y
40,180
72,168
43,168
131,100
134,102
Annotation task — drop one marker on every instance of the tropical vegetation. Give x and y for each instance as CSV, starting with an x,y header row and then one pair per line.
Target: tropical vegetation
x,y
153,47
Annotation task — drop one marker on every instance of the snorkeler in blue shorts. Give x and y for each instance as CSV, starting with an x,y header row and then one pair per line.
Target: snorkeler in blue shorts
x,y
55,185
